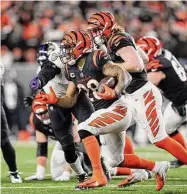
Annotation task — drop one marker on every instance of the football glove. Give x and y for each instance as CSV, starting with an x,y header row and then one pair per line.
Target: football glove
x,y
108,93
28,101
35,83
49,98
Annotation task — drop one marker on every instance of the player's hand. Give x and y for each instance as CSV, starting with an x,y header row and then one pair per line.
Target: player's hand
x,y
49,98
153,64
64,177
34,177
35,83
108,94
39,106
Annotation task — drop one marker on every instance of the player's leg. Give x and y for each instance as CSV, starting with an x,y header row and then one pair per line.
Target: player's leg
x,y
8,150
103,121
61,120
59,168
128,149
156,129
173,118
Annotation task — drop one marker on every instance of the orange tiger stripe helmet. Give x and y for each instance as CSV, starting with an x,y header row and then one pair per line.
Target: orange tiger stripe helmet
x,y
74,45
151,45
101,24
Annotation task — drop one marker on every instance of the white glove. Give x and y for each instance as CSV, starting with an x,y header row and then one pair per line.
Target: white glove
x,y
64,177
34,177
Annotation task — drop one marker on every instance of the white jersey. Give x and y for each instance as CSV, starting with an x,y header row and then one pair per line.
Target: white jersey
x,y
59,84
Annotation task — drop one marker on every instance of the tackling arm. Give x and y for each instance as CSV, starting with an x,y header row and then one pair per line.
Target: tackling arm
x,y
156,77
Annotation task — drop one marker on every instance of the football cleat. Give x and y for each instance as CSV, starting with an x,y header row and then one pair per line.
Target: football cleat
x,y
81,178
176,164
137,176
15,177
161,174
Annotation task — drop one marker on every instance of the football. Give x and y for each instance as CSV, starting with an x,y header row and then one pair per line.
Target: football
x,y
109,81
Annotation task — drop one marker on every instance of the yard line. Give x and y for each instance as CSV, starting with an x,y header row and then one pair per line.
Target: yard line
x,y
71,187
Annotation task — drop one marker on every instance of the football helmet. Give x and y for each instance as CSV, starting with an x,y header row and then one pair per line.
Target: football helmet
x,y
151,45
100,26
74,45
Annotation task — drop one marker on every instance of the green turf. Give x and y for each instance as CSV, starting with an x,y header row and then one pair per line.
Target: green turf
x,y
176,182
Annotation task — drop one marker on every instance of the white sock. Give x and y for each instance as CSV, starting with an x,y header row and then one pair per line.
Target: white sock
x,y
113,171
40,171
156,167
77,167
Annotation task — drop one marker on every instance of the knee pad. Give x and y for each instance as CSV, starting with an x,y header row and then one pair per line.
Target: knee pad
x,y
83,134
70,153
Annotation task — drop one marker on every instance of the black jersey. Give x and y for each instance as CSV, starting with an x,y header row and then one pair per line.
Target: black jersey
x,y
174,86
39,126
118,41
88,77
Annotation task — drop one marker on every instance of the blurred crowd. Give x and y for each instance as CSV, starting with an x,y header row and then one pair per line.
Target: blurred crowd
x,y
24,25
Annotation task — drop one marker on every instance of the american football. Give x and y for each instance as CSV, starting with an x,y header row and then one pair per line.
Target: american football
x,y
109,81
80,83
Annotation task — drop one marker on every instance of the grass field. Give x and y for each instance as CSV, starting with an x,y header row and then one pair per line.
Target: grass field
x,y
176,180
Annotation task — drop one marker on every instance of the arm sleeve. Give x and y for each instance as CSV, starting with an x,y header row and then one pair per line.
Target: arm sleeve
x,y
48,72
121,40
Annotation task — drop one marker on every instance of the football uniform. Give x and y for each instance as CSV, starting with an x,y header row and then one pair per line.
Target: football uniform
x,y
174,88
111,117
143,97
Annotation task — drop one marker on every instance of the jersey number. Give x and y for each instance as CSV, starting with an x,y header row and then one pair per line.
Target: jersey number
x,y
90,89
176,66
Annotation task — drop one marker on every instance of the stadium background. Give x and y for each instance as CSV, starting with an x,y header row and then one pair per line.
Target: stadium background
x,y
24,25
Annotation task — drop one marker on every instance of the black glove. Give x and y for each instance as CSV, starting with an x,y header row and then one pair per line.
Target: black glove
x,y
28,101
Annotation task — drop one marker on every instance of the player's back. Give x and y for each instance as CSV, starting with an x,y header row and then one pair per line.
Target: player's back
x,y
174,86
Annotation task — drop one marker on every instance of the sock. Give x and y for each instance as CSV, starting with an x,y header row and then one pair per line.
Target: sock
x,y
9,155
179,138
128,146
77,167
134,161
40,171
123,171
173,148
93,150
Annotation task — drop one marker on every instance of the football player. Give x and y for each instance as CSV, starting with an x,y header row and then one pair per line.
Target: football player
x,y
144,98
39,120
85,68
7,149
169,76
51,73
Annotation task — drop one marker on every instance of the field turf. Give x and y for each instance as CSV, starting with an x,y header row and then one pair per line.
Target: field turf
x,y
176,181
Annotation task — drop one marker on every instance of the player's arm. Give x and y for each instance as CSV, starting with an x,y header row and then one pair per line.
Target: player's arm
x,y
47,72
156,77
109,69
69,100
143,55
132,60
66,101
